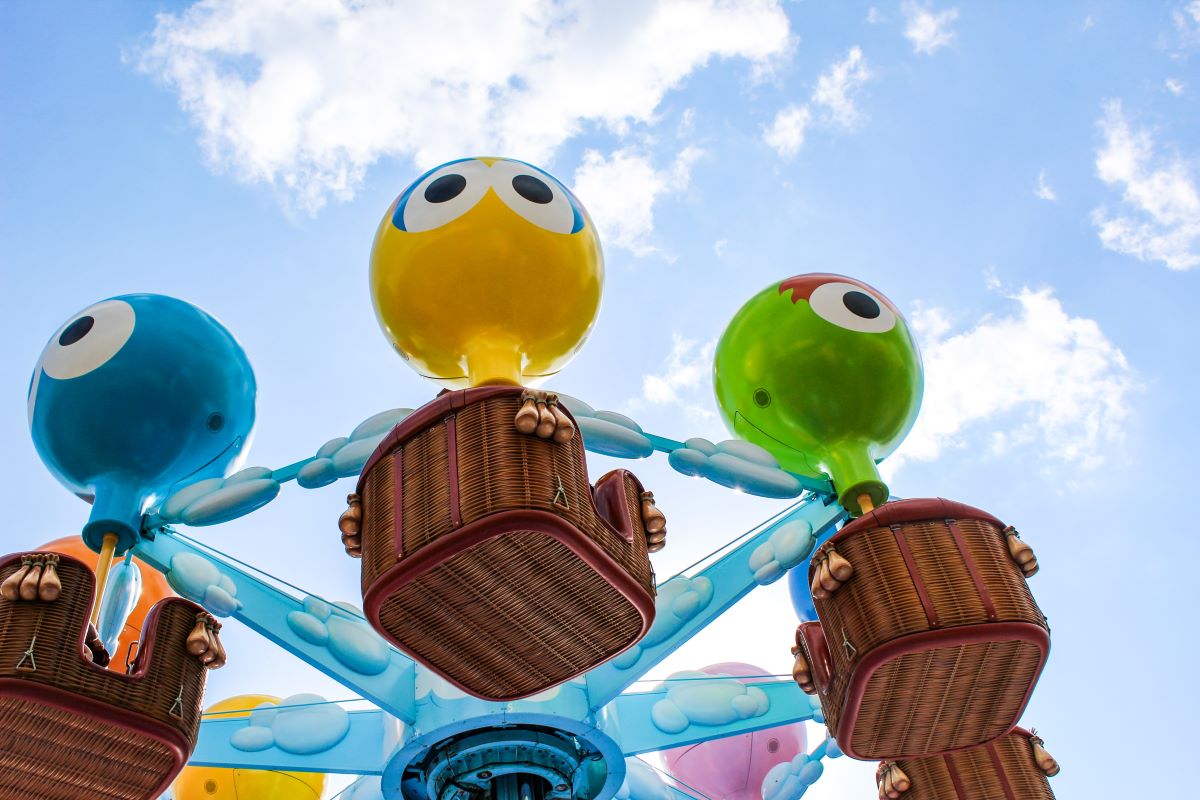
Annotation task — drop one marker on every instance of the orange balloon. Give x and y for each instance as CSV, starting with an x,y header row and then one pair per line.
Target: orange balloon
x,y
154,585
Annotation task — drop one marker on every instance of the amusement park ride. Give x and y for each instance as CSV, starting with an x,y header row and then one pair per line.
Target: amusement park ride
x,y
509,603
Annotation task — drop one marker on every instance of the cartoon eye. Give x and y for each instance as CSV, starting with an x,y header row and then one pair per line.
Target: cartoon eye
x,y
536,196
762,398
441,196
89,340
851,307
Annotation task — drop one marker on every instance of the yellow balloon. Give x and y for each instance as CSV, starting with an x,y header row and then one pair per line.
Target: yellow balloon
x,y
486,270
212,783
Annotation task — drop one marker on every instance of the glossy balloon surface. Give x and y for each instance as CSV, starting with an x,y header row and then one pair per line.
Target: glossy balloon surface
x,y
734,767
486,270
801,594
822,371
211,783
154,588
133,396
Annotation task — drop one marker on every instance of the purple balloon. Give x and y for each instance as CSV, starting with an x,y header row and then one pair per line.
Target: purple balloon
x,y
733,768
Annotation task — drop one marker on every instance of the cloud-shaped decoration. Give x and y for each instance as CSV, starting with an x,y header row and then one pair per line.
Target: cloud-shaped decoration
x,y
368,787
790,544
200,580
217,500
341,629
607,432
791,779
697,698
737,465
679,599
347,455
642,782
303,724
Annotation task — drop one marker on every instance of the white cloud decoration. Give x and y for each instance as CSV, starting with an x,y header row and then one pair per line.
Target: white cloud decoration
x,y
303,724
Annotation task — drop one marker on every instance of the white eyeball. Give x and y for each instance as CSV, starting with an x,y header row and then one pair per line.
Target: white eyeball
x,y
88,341
851,307
534,195
445,195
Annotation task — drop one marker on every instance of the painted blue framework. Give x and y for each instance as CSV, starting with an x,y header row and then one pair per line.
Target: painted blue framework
x,y
417,710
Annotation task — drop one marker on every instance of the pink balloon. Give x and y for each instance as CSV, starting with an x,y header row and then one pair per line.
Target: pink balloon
x,y
734,768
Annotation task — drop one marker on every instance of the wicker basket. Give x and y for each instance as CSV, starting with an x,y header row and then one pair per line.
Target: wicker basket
x,y
70,729
934,643
489,557
1005,769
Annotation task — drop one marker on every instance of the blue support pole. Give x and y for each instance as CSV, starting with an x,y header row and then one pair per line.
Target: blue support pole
x,y
339,645
657,720
358,752
688,604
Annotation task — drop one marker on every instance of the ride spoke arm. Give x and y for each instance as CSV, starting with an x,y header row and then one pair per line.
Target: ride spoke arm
x,y
646,721
358,752
338,644
688,604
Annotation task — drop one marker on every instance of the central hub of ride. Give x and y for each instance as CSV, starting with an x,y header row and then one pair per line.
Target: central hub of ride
x,y
518,763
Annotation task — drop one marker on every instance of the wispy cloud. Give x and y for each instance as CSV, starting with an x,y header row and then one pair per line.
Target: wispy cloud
x,y
1174,86
1035,377
1044,191
306,97
1158,215
832,99
684,380
622,188
928,30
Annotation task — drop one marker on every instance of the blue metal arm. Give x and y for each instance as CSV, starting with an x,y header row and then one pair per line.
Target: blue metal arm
x,y
688,604
358,752
335,642
647,721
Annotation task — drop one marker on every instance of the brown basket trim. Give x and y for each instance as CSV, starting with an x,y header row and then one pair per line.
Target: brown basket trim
x,y
612,503
973,570
430,414
470,535
918,583
930,640
959,791
1001,773
916,510
133,722
397,502
452,456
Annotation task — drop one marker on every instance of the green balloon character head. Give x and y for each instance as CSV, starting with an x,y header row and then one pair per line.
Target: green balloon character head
x,y
821,371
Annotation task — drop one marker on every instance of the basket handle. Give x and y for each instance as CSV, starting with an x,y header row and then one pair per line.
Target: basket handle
x,y
813,637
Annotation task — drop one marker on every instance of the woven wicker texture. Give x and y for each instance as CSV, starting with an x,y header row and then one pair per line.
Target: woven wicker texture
x,y
977,773
940,699
43,745
519,612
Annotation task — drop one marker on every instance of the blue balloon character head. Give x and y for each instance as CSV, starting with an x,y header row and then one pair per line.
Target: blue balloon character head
x,y
802,599
134,396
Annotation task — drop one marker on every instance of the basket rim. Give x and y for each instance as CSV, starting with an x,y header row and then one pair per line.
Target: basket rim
x,y
921,509
131,721
446,547
430,414
146,644
979,633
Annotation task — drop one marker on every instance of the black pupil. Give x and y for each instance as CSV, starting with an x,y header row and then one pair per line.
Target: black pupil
x,y
76,331
533,189
216,421
445,188
861,304
762,398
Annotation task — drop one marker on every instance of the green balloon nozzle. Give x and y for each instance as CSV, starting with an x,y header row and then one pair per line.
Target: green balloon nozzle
x,y
821,371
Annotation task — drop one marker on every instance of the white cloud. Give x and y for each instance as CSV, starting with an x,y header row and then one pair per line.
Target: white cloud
x,y
786,133
1088,23
1036,377
684,377
1158,218
835,85
929,31
1044,191
305,95
832,97
873,16
1187,22
1174,86
621,189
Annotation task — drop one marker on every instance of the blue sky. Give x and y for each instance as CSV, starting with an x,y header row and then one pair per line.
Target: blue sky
x,y
1020,177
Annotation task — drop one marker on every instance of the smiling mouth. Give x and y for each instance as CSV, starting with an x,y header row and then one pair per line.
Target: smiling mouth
x,y
737,414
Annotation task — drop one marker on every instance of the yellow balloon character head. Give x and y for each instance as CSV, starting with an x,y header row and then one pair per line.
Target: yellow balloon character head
x,y
211,783
486,270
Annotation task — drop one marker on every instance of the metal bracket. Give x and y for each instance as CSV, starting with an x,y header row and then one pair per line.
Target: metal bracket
x,y
177,704
28,654
560,492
